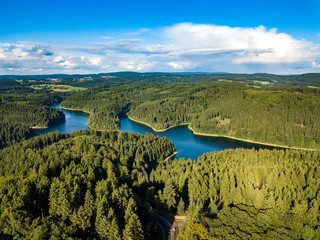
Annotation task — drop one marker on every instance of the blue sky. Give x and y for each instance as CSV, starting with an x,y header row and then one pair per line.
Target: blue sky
x,y
40,37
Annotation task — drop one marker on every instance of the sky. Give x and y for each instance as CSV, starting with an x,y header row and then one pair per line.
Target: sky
x,y
96,36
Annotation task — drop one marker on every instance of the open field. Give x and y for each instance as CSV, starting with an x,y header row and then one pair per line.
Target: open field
x,y
312,87
262,82
59,88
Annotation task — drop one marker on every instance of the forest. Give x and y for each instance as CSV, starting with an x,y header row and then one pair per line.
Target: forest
x,y
83,185
108,185
94,80
23,108
282,116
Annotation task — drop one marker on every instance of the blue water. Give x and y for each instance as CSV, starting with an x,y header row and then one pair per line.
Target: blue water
x,y
188,145
75,120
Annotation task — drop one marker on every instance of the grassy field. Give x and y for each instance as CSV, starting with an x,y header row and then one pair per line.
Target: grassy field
x,y
312,87
59,88
262,82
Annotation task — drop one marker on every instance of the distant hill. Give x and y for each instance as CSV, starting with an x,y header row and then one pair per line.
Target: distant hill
x,y
93,80
309,79
7,83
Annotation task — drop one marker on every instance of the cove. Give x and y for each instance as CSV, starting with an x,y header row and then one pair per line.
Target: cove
x,y
75,120
188,145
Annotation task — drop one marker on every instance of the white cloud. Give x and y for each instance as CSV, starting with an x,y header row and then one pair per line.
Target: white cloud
x,y
135,65
106,37
97,61
181,65
127,65
181,47
257,45
59,59
316,64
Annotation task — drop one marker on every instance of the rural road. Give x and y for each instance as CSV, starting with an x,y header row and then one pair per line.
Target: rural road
x,y
166,227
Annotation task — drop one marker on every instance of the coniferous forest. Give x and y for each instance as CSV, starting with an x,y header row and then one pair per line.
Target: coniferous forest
x,y
83,185
22,108
107,184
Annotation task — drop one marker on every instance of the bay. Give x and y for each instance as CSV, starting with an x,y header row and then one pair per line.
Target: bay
x,y
188,144
75,120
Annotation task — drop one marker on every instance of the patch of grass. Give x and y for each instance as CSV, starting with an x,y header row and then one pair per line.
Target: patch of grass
x,y
312,87
253,86
59,88
262,82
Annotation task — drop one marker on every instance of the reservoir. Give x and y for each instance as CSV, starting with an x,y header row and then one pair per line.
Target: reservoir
x,y
188,145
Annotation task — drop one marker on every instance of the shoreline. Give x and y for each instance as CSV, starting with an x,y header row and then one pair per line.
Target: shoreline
x,y
224,136
248,140
155,130
73,109
39,128
172,155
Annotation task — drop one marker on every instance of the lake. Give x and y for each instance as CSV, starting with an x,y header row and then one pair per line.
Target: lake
x,y
188,145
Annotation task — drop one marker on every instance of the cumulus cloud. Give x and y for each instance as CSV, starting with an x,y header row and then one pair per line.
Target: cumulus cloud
x,y
96,61
135,65
258,45
38,49
181,47
316,64
181,65
59,59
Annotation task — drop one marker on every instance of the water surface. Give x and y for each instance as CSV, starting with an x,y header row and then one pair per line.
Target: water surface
x,y
75,120
190,145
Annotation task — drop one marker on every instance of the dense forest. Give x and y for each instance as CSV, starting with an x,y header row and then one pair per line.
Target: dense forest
x,y
12,132
244,194
283,116
82,185
30,115
22,108
107,185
